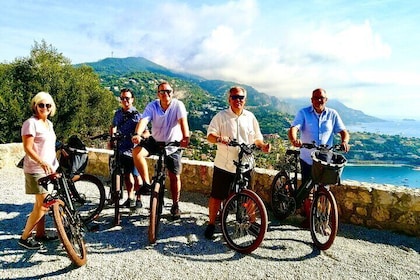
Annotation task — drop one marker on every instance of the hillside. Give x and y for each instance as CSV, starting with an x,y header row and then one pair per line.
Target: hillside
x,y
204,98
126,67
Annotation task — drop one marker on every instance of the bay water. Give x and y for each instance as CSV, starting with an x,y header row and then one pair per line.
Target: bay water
x,y
405,176
398,175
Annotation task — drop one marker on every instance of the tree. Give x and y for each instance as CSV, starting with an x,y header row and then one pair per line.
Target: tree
x,y
83,105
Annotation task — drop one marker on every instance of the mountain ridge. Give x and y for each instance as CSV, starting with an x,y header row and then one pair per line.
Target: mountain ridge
x,y
217,88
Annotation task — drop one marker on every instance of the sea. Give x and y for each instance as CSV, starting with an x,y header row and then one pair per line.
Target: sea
x,y
398,175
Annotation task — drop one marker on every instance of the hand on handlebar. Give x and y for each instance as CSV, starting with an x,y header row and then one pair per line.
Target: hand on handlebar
x,y
136,139
223,139
297,143
266,148
345,146
184,142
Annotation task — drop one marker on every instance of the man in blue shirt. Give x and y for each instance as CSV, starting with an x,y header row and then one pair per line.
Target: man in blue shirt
x,y
316,123
125,121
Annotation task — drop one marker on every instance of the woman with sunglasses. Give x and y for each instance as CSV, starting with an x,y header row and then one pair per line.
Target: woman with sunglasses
x,y
38,139
237,123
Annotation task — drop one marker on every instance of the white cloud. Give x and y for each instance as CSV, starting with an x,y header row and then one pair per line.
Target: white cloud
x,y
351,43
282,48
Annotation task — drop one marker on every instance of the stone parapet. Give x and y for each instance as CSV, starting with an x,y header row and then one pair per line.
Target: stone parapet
x,y
370,205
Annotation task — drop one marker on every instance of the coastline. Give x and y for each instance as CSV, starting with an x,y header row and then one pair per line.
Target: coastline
x,y
384,164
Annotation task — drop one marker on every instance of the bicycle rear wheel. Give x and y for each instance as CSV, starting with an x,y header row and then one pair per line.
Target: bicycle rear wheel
x,y
324,219
70,231
244,221
89,197
116,195
282,201
156,206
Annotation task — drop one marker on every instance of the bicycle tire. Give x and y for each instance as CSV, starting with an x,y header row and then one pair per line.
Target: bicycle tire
x,y
70,233
282,201
155,212
323,219
116,193
90,198
244,221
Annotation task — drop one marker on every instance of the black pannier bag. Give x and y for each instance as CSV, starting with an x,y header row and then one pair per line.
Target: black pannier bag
x,y
327,167
74,159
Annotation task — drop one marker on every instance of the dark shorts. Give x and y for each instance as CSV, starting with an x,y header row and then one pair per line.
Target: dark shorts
x,y
172,161
306,171
128,165
222,180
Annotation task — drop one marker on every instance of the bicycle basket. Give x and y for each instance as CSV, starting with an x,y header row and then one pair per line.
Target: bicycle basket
x,y
327,167
75,158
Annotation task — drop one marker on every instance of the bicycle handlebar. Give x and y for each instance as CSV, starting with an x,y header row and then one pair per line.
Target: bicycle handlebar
x,y
247,148
103,136
322,147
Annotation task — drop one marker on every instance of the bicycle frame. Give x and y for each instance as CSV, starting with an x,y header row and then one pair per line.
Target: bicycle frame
x,y
116,173
243,215
68,222
286,197
158,190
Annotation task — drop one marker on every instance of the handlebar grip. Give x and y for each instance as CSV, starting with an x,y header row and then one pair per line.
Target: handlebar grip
x,y
103,136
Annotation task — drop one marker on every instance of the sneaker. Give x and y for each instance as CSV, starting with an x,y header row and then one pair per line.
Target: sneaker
x,y
139,204
30,243
129,203
46,238
132,203
209,232
176,214
145,189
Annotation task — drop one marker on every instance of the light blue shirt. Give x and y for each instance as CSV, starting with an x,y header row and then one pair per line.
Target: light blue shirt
x,y
317,127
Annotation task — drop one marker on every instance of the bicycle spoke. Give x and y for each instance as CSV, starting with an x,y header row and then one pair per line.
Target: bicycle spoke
x,y
324,219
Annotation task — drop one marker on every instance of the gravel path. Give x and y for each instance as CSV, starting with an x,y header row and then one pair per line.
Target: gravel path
x,y
183,253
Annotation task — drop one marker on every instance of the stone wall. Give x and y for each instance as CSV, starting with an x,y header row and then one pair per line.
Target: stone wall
x,y
370,205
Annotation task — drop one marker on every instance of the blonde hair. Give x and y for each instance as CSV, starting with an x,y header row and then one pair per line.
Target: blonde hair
x,y
43,96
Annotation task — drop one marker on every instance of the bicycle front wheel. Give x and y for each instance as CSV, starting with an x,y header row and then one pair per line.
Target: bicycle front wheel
x,y
323,219
156,206
70,231
282,201
244,221
89,197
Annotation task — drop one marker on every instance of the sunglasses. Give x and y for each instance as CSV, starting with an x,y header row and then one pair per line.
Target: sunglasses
x,y
236,97
125,98
319,99
165,91
42,105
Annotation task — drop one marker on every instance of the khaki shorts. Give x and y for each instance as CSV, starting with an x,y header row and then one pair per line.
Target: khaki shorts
x,y
31,184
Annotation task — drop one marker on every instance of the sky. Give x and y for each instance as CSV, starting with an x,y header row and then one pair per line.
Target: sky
x,y
365,54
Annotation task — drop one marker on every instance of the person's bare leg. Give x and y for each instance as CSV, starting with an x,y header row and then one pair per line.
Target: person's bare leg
x,y
175,182
139,157
37,213
129,183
